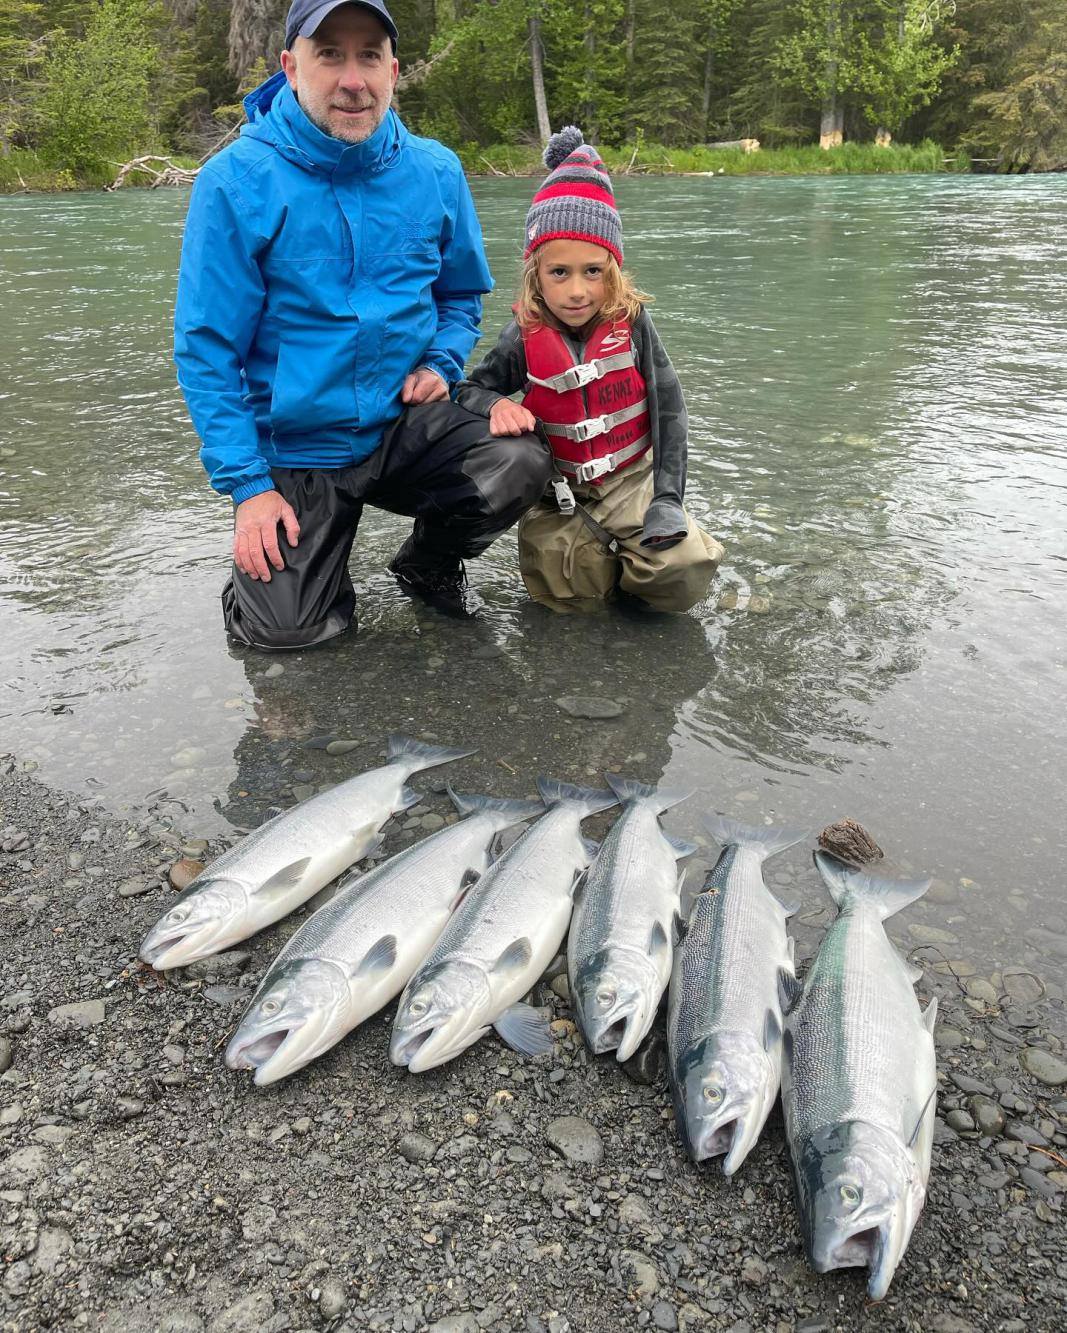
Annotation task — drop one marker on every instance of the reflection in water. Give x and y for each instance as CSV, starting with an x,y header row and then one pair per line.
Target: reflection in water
x,y
874,371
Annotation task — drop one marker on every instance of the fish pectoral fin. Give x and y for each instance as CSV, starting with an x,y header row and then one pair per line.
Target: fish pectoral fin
x,y
591,847
790,908
789,989
525,1030
285,879
926,1104
929,1016
581,878
659,946
515,957
408,797
380,957
914,971
772,1030
680,847
680,927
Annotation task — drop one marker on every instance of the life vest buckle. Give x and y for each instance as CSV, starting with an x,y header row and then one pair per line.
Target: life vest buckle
x,y
586,372
596,467
590,428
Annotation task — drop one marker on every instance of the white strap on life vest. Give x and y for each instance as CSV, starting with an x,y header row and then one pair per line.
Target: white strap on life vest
x,y
577,377
600,467
591,427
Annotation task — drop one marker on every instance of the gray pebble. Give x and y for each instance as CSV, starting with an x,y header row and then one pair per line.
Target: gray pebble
x,y
226,964
663,1315
417,1148
987,1114
84,1013
576,1139
342,747
274,671
590,706
7,1054
432,822
1044,1066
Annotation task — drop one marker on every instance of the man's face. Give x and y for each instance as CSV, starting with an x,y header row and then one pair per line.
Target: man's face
x,y
343,76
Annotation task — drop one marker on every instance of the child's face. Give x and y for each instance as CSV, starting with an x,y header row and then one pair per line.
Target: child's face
x,y
570,275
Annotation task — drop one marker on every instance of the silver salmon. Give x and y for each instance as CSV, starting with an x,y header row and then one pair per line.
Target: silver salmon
x,y
859,1083
621,939
289,859
357,952
732,974
499,941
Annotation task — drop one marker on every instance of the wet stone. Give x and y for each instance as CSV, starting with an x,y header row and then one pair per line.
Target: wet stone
x,y
967,1084
987,1114
7,1054
86,1013
663,1316
924,934
1039,1184
1044,1066
417,1148
589,706
948,1037
226,964
183,872
576,1139
1023,986
980,989
960,1121
341,747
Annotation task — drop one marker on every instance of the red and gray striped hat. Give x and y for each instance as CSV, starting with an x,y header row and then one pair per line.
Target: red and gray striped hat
x,y
576,201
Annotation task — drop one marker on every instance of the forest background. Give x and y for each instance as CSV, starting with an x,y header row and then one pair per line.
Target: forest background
x,y
88,84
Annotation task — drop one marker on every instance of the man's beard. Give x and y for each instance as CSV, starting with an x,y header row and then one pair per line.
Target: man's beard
x,y
356,133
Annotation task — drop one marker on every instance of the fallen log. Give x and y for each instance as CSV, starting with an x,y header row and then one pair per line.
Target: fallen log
x,y
169,173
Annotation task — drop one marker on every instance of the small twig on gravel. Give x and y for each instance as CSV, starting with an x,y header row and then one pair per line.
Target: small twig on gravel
x,y
1034,1148
503,764
921,948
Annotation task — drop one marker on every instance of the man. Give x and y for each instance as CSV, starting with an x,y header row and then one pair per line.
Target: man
x,y
330,291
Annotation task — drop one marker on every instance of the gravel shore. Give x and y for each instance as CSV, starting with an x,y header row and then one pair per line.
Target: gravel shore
x,y
146,1188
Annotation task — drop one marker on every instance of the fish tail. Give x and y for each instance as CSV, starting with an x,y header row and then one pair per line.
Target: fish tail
x,y
509,812
888,896
417,754
629,789
553,792
762,839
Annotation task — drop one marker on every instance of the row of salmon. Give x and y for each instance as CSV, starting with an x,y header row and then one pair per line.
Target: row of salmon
x,y
465,938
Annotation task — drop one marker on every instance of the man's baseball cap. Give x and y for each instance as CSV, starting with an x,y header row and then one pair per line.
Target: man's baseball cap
x,y
306,15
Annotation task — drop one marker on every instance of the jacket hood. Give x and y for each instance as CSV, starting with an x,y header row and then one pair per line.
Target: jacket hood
x,y
276,117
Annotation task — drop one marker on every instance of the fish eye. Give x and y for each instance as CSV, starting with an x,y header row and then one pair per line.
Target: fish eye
x,y
713,1094
850,1195
177,916
419,1006
605,998
271,1006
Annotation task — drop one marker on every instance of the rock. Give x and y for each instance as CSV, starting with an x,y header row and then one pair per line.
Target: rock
x,y
183,872
640,1268
588,705
332,1298
84,1013
1042,1185
417,1148
342,747
967,1084
948,1037
456,1323
663,1316
754,1272
561,986
7,1054
1044,1066
128,1107
959,1121
930,934
224,996
1023,1133
1022,985
132,888
576,1140
980,989
52,1244
227,964
246,1315
274,671
850,842
259,1223
987,1114
23,1165
432,822
54,1135
634,1211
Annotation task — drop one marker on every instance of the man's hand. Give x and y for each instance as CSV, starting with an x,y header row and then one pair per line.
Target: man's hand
x,y
255,534
508,418
423,386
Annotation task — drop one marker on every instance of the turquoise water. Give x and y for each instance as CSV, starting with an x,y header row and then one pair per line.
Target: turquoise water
x,y
875,371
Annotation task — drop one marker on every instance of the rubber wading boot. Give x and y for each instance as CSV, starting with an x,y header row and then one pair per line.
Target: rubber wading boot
x,y
441,585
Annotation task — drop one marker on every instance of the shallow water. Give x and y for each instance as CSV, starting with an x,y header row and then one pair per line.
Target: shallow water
x,y
875,374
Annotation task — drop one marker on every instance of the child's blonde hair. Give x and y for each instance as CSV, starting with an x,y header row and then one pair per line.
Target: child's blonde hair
x,y
622,299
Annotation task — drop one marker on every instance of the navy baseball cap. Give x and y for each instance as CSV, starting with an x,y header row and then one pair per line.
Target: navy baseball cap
x,y
306,15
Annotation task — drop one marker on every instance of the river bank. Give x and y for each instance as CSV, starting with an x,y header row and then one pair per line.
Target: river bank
x,y
23,172
145,1187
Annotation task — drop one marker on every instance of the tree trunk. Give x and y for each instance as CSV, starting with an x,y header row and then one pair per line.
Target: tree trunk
x,y
544,126
832,125
705,97
257,30
589,107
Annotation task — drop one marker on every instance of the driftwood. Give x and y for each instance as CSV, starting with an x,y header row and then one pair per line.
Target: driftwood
x,y
166,174
746,145
850,842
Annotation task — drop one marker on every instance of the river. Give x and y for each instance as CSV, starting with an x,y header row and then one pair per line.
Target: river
x,y
875,371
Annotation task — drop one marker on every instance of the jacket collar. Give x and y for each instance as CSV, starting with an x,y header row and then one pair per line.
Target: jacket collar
x,y
276,117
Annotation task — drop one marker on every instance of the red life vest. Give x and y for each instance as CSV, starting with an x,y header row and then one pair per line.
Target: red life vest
x,y
594,412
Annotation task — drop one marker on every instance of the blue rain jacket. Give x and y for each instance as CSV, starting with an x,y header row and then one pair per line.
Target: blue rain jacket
x,y
315,275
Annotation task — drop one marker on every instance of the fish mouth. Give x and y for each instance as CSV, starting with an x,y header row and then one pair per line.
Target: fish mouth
x,y
862,1248
406,1048
260,1053
177,950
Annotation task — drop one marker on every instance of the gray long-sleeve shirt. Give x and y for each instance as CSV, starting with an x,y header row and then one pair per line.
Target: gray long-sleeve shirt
x,y
503,373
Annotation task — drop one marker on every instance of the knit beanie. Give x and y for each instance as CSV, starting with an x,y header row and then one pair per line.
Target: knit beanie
x,y
576,201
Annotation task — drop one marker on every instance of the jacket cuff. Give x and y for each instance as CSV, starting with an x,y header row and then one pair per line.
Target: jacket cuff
x,y
247,489
664,518
443,367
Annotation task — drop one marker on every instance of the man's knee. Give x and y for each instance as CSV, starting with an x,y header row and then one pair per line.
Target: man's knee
x,y
275,625
512,471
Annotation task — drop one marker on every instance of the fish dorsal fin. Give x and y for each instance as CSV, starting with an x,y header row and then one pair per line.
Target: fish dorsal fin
x,y
525,1030
772,1030
926,1104
930,1016
659,945
680,847
789,989
285,879
380,957
515,957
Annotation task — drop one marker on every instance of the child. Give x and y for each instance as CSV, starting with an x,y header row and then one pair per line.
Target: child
x,y
593,371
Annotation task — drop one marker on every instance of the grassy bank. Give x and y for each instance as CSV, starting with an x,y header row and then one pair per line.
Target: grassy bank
x,y
810,160
24,171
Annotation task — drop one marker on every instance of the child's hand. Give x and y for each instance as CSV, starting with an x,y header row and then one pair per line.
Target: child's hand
x,y
508,418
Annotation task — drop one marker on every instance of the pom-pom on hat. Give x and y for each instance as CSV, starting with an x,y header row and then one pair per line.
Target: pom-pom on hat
x,y
575,201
